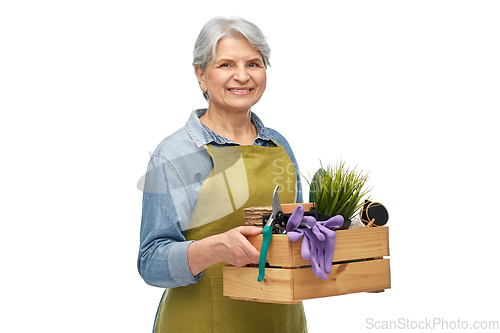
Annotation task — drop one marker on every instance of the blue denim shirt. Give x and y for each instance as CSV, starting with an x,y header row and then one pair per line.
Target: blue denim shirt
x,y
175,173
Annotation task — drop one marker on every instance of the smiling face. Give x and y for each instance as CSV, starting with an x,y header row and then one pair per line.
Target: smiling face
x,y
236,79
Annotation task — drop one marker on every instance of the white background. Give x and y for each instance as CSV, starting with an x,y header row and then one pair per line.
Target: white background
x,y
405,90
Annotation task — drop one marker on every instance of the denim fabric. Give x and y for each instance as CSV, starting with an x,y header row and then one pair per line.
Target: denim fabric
x,y
175,174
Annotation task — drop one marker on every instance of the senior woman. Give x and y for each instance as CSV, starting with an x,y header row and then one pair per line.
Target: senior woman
x,y
200,179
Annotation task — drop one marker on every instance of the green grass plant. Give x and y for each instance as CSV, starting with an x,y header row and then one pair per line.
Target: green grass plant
x,y
338,190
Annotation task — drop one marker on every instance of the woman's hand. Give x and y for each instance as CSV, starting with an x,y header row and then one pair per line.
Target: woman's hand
x,y
235,248
232,247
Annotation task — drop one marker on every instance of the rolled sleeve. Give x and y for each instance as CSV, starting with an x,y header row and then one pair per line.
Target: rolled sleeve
x,y
178,264
162,259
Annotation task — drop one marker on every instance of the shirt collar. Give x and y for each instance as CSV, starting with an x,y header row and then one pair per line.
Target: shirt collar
x,y
203,135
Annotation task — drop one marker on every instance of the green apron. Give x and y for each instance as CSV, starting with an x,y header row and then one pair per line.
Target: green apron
x,y
243,176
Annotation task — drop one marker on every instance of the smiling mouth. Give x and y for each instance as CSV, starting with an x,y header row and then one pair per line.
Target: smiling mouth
x,y
240,90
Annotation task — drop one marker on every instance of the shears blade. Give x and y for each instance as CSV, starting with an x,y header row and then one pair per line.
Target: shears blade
x,y
276,208
267,231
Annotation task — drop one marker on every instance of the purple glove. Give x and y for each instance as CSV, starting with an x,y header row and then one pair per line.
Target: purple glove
x,y
292,226
294,232
322,250
318,242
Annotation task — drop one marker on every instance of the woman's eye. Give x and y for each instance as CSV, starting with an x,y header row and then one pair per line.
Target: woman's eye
x,y
253,64
225,65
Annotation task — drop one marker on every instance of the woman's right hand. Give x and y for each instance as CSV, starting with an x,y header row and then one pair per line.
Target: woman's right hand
x,y
235,248
231,247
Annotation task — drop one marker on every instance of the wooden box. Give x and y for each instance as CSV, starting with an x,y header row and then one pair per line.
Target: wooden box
x,y
287,282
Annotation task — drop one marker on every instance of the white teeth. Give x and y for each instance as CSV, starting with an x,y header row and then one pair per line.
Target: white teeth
x,y
237,90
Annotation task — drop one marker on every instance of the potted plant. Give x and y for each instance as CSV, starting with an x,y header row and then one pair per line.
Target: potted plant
x,y
338,190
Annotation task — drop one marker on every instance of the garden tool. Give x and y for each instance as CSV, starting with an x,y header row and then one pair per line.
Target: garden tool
x,y
267,232
373,214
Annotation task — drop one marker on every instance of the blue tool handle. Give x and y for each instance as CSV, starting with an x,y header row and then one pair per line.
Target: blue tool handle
x,y
267,233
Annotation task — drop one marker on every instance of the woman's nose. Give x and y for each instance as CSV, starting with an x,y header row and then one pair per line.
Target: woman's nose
x,y
241,74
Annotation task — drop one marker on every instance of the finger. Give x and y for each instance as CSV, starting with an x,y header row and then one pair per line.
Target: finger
x,y
249,230
253,255
329,233
315,265
294,235
335,222
250,253
318,233
323,269
305,248
246,254
329,254
309,220
326,267
295,218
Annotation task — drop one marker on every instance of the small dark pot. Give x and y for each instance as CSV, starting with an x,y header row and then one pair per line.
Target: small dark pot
x,y
317,215
322,217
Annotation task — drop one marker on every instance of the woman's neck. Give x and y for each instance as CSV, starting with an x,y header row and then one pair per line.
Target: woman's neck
x,y
236,126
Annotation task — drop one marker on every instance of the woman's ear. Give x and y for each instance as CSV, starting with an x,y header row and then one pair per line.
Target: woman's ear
x,y
200,74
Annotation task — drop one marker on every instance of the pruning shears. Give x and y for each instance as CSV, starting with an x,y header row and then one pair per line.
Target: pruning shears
x,y
267,231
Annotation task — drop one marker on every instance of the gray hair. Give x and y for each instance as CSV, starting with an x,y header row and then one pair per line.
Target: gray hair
x,y
218,27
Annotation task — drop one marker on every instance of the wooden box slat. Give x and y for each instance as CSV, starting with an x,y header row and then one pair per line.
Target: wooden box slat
x,y
354,244
293,285
372,275
241,283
